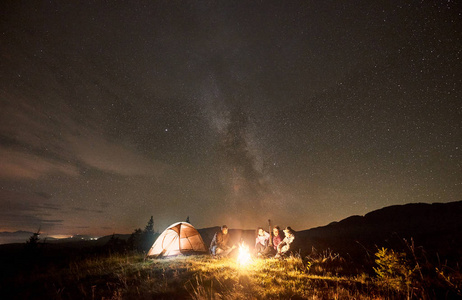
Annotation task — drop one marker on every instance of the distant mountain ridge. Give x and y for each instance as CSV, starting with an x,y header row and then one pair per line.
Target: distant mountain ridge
x,y
19,236
437,227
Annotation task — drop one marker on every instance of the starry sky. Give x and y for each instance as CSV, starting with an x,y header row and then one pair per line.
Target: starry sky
x,y
229,112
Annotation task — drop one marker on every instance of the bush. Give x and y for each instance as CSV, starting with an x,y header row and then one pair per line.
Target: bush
x,y
393,270
329,263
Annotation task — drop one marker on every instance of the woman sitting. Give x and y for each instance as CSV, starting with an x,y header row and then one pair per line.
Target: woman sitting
x,y
261,242
275,240
284,247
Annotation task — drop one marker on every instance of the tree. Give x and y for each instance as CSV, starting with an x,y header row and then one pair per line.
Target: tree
x,y
33,243
149,229
142,240
148,236
115,245
34,239
134,241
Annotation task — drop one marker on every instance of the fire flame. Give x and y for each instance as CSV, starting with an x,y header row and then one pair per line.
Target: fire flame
x,y
244,257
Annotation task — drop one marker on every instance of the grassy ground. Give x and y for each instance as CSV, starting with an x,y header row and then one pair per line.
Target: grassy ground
x,y
192,277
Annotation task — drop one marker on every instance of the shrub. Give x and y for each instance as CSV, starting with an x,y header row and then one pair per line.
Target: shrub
x,y
327,263
393,270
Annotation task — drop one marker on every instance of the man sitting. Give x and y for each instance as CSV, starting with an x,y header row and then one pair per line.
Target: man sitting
x,y
219,245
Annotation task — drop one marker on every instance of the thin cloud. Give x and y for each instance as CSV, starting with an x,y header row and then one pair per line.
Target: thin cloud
x,y
80,209
104,204
21,165
52,221
43,195
102,154
13,202
39,145
27,221
26,211
51,206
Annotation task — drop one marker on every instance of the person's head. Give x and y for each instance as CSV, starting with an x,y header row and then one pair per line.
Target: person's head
x,y
276,230
224,229
288,231
260,231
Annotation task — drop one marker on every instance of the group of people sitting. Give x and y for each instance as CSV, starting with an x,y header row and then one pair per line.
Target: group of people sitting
x,y
274,244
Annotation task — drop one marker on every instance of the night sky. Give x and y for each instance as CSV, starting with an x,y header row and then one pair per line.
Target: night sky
x,y
229,112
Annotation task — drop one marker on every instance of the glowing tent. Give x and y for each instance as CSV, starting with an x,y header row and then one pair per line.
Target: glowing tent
x,y
178,238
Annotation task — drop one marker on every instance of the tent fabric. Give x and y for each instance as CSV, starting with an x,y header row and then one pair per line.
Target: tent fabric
x,y
178,238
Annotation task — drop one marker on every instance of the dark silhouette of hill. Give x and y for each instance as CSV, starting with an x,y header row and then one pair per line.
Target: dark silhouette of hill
x,y
78,242
89,240
14,237
435,227
20,257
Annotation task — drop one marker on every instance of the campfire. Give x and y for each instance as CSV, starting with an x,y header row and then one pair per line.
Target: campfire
x,y
244,257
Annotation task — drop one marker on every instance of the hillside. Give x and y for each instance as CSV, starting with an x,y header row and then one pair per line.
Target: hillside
x,y
14,237
436,227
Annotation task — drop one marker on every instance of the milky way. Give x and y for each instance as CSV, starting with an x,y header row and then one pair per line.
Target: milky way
x,y
304,112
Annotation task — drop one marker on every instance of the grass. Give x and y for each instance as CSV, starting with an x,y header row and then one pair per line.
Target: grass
x,y
269,279
130,276
185,277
